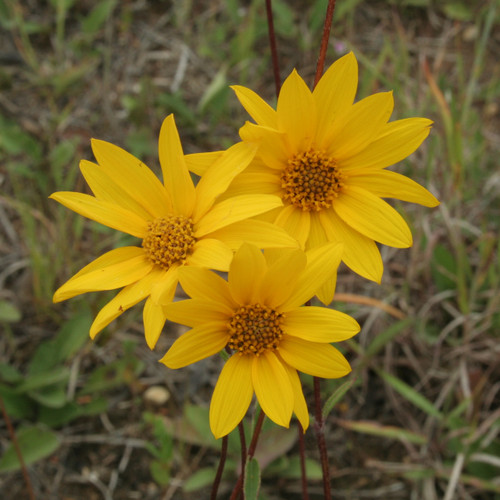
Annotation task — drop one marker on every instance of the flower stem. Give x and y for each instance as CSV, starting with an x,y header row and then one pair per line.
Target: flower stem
x,y
305,494
15,443
220,469
243,445
251,451
324,41
320,436
272,44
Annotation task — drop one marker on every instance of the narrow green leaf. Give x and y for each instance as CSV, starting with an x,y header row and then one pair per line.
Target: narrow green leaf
x,y
388,431
35,443
252,479
52,396
336,397
8,312
411,395
381,339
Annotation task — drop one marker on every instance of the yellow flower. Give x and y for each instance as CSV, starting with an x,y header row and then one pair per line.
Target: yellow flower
x,y
179,225
256,314
326,157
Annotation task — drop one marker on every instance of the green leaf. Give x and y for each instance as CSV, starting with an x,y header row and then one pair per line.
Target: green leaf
x,y
411,395
16,405
38,380
35,443
200,479
252,479
160,472
73,334
98,16
53,396
388,431
9,373
336,397
8,312
381,339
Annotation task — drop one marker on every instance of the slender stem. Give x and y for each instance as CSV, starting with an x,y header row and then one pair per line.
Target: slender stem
x,y
15,443
220,469
251,451
302,449
324,40
243,445
320,436
272,44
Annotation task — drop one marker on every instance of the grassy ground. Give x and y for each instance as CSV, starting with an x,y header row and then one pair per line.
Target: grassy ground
x,y
422,418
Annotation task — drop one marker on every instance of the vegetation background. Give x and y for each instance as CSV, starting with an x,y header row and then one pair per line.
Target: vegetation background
x,y
103,419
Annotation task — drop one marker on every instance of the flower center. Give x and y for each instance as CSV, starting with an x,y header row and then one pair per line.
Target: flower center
x,y
255,329
169,240
311,180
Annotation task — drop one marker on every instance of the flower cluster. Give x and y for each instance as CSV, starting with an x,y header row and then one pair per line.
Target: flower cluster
x,y
278,212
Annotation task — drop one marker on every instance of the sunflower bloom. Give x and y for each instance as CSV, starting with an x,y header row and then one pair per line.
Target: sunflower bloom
x,y
179,225
326,158
257,315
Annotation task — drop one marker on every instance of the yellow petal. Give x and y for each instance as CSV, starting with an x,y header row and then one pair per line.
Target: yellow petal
x,y
198,343
322,264
232,395
335,93
211,253
104,212
163,291
126,298
195,312
317,236
295,222
372,217
176,176
218,177
363,124
296,113
299,402
154,317
199,163
398,139
133,176
105,188
233,210
281,277
246,271
254,183
273,149
256,107
361,253
259,233
273,388
326,291
319,324
117,268
201,283
387,184
317,359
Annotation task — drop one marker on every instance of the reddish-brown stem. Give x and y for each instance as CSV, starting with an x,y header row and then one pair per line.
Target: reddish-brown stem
x,y
15,443
302,450
320,436
220,469
243,445
251,451
324,40
272,44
